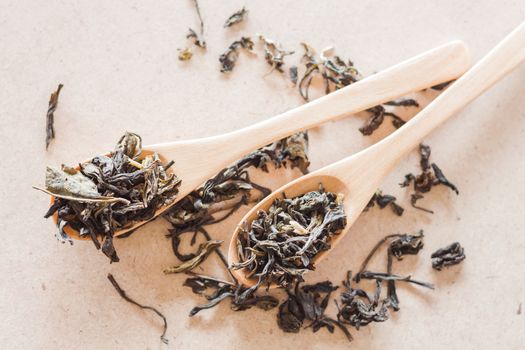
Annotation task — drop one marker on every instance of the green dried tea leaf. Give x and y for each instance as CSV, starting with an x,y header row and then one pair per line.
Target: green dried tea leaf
x,y
205,249
63,183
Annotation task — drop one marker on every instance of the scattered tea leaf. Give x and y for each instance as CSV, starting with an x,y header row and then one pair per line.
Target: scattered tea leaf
x,y
274,54
230,56
205,249
236,17
384,200
430,176
50,116
124,296
198,39
448,256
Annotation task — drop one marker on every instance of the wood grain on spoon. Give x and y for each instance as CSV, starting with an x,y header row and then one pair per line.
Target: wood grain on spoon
x,y
358,177
198,160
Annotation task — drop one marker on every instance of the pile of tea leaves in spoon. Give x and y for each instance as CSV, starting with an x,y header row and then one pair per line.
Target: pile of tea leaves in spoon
x,y
110,193
280,245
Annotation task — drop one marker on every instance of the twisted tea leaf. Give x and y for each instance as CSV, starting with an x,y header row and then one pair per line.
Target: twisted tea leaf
x,y
124,296
205,250
431,175
236,17
448,256
50,116
274,54
230,56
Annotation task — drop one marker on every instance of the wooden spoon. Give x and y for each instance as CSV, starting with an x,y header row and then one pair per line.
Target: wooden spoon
x,y
198,160
358,177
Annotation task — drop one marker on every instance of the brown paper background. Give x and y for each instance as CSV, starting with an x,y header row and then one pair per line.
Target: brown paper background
x,y
118,62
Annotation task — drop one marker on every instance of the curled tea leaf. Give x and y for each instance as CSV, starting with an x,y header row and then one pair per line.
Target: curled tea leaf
x,y
198,39
448,256
205,249
230,56
274,54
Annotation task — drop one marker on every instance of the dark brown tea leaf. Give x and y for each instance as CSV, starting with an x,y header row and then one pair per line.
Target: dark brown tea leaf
x,y
448,256
50,116
124,296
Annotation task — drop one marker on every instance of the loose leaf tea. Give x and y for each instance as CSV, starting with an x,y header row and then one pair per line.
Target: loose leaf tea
x,y
308,303
448,256
124,296
50,116
336,74
235,18
430,176
274,54
280,245
230,56
205,249
400,245
358,308
198,39
384,200
110,193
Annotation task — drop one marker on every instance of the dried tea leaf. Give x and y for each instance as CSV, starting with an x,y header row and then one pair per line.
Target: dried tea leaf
x,y
124,296
406,244
230,56
205,249
185,55
430,176
274,54
358,308
198,39
50,116
384,200
75,186
448,256
236,17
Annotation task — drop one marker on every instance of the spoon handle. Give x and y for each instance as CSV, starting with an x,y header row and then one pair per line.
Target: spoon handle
x,y
439,65
378,160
